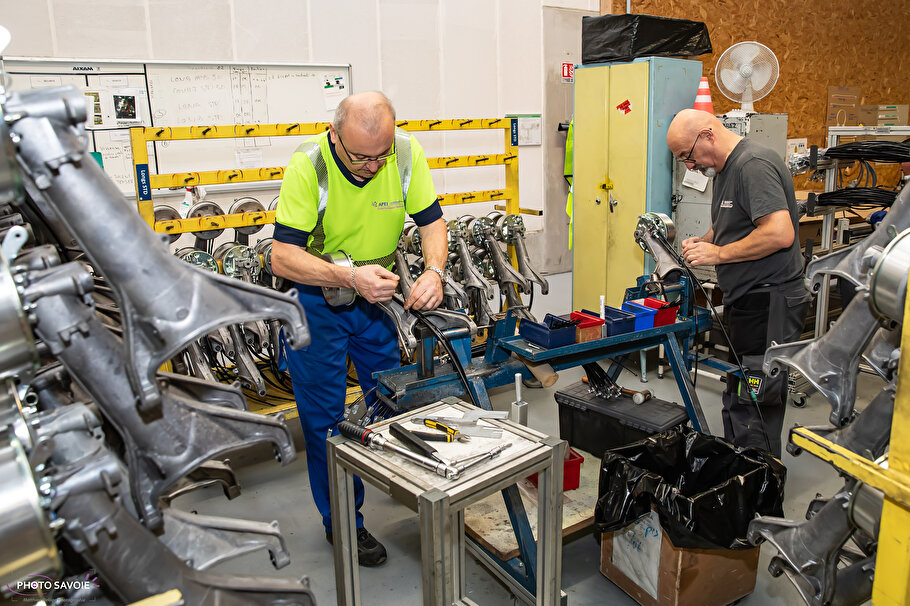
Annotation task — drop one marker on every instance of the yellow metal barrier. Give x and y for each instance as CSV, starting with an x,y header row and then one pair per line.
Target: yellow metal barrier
x,y
147,182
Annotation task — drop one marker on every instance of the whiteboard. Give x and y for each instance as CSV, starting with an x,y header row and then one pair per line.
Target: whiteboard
x,y
123,94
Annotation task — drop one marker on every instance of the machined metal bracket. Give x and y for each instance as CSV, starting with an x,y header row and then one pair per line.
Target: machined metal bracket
x,y
830,362
482,232
808,550
405,321
207,474
203,541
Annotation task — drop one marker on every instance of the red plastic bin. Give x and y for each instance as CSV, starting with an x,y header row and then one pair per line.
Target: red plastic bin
x,y
571,471
588,329
666,312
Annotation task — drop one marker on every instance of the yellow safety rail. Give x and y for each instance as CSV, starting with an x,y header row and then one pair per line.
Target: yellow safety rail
x,y
147,182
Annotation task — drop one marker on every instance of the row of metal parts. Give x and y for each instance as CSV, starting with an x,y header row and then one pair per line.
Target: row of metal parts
x,y
236,259
476,260
831,556
96,444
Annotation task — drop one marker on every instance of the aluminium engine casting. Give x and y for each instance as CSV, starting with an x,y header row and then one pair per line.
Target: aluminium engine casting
x,y
46,127
95,442
815,554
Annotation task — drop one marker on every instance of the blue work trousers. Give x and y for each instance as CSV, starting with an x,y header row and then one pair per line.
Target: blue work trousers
x,y
319,370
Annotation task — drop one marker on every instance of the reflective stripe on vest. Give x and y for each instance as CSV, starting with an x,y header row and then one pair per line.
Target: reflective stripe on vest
x,y
314,153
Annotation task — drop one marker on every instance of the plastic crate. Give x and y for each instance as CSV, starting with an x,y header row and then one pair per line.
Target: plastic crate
x,y
595,424
644,316
617,321
541,333
571,471
590,327
666,312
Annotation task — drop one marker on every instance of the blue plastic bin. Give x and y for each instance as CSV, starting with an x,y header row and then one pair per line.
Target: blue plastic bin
x,y
644,316
541,333
617,321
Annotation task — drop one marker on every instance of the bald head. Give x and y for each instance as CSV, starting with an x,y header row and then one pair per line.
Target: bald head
x,y
699,138
370,112
686,126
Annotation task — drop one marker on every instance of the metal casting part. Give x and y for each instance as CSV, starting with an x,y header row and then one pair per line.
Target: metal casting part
x,y
481,229
198,258
655,233
18,354
809,551
28,546
159,449
451,322
168,304
888,279
203,541
830,362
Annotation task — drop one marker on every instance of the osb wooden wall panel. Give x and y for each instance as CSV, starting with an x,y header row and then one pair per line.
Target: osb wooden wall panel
x,y
819,43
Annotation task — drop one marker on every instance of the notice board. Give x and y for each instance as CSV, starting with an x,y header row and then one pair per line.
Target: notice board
x,y
121,94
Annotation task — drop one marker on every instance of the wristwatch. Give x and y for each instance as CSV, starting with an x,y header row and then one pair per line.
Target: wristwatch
x,y
440,272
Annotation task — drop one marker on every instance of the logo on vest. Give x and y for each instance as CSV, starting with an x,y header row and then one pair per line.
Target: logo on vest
x,y
388,205
726,204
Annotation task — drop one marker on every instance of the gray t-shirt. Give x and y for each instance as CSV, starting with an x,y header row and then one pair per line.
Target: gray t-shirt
x,y
753,183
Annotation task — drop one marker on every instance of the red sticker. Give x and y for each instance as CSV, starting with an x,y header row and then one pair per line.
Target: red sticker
x,y
625,107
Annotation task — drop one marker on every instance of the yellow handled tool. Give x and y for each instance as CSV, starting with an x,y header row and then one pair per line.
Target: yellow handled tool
x,y
454,433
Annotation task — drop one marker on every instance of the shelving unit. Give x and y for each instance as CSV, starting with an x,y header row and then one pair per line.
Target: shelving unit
x,y
835,133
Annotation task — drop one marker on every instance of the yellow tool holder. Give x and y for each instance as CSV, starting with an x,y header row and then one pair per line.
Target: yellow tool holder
x,y
147,182
892,563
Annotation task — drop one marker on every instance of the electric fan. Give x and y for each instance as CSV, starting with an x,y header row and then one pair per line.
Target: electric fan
x,y
746,72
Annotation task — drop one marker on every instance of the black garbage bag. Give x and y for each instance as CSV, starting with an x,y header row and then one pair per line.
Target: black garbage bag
x,y
704,489
625,37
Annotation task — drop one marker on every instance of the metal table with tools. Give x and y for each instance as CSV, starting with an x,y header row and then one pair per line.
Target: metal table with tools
x,y
440,491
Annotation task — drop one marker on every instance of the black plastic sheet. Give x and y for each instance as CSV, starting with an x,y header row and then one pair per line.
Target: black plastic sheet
x,y
625,37
704,489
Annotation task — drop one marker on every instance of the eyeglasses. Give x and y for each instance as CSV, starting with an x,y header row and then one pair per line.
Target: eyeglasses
x,y
688,157
360,159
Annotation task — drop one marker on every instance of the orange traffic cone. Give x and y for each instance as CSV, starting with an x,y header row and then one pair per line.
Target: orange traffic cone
x,y
703,97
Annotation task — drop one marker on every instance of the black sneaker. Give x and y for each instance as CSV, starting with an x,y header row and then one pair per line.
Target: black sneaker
x,y
370,552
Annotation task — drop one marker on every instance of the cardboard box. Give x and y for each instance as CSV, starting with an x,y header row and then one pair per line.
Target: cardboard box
x,y
892,115
868,115
843,106
642,561
883,115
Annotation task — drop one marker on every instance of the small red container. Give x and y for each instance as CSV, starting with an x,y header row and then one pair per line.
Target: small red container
x,y
666,312
571,471
588,329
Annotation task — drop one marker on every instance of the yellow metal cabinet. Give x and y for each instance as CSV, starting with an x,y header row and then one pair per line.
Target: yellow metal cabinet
x,y
622,167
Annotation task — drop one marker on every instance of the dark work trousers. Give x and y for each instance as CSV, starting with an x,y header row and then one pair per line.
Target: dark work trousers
x,y
764,314
319,375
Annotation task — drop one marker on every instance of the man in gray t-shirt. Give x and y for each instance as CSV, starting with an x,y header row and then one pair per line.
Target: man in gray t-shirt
x,y
752,242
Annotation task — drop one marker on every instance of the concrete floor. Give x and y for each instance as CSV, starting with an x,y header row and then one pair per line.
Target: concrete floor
x,y
271,492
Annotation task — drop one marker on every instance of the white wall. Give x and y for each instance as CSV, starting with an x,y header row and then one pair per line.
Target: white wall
x,y
434,58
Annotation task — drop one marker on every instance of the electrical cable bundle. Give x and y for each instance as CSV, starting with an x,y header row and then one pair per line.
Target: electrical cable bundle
x,y
682,263
858,197
870,151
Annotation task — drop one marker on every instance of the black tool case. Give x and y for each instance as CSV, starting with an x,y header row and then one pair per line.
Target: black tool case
x,y
596,424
